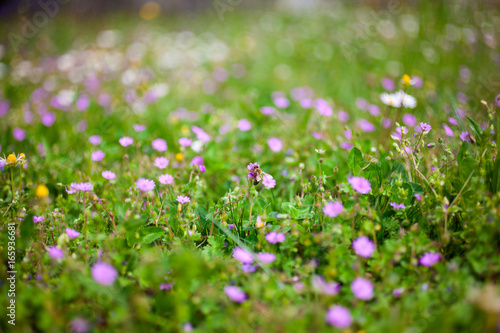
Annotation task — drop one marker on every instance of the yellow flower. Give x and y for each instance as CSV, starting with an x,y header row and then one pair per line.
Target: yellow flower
x,y
406,80
42,191
185,129
259,224
179,156
12,160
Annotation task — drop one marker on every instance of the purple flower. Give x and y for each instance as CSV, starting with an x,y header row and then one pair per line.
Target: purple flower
x,y
317,135
418,197
397,206
363,247
80,187
235,294
72,233
326,288
362,288
166,179
139,128
161,162
55,252
360,184
165,286
465,136
103,273
200,134
452,121
323,108
203,168
361,103
365,125
197,160
343,116
244,125
248,268
145,185
182,199
275,144
388,84
266,258
447,130
374,110
275,237
242,255
95,140
19,134
409,120
79,325
338,316
97,156
398,292
37,219
267,110
108,175
425,127
159,145
185,142
48,119
333,208
126,141
268,182
429,259
82,103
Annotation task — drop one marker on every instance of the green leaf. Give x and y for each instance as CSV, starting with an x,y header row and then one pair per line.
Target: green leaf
x,y
151,234
478,132
355,160
466,166
462,151
400,170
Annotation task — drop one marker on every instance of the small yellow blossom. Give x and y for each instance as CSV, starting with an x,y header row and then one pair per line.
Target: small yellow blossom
x,y
259,224
185,130
179,156
13,160
42,191
406,80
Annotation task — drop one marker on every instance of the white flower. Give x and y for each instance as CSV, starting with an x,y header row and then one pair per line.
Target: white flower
x,y
391,99
197,146
409,101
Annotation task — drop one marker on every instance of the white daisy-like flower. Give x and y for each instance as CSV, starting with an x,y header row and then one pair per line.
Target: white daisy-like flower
x,y
393,100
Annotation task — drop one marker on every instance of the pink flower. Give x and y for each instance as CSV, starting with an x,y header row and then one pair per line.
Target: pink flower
x,y
197,160
97,156
447,130
244,125
72,233
268,182
397,206
182,199
126,141
145,185
362,288
409,119
48,119
37,219
103,273
418,197
139,128
235,294
275,237
326,288
166,179
161,162
159,145
55,252
425,127
203,168
267,110
266,258
333,208
108,175
95,140
429,259
338,316
242,255
465,136
360,184
365,125
363,247
19,134
185,142
200,134
323,108
275,144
